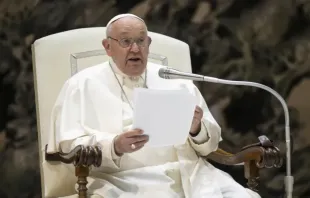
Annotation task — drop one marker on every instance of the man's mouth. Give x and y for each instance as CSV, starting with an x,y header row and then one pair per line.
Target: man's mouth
x,y
134,59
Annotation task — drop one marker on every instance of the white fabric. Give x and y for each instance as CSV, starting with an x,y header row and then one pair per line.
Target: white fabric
x,y
89,111
52,57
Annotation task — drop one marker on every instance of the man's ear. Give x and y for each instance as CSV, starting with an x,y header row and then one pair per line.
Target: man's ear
x,y
107,46
150,40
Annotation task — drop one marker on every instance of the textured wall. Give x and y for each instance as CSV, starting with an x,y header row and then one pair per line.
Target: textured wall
x,y
262,41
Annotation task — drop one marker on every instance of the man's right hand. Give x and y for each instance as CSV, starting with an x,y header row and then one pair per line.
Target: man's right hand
x,y
130,141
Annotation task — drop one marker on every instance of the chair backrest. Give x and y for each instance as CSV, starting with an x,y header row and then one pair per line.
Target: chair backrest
x,y
56,58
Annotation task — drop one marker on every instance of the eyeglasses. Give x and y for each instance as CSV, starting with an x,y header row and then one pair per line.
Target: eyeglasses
x,y
127,42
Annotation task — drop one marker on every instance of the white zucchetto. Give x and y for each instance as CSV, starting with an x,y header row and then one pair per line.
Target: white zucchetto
x,y
122,16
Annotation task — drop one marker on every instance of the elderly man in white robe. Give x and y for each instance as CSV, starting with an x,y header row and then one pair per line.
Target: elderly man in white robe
x,y
94,107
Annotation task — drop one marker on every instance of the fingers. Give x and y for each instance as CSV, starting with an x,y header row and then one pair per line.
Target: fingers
x,y
131,141
197,117
198,110
196,122
139,141
138,145
198,113
133,133
139,138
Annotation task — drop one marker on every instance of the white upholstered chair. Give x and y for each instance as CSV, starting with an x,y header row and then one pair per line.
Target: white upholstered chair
x,y
59,56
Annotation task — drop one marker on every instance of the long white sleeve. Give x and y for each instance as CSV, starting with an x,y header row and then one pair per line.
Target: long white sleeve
x,y
76,123
210,135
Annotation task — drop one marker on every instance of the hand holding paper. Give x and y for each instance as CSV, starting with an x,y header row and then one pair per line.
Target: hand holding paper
x,y
165,115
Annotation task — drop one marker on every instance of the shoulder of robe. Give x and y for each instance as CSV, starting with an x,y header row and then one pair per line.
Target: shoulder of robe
x,y
74,82
90,73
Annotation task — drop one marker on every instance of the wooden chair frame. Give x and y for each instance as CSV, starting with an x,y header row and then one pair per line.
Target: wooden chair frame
x,y
255,156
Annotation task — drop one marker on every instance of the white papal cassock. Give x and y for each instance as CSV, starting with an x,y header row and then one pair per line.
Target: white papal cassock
x,y
92,109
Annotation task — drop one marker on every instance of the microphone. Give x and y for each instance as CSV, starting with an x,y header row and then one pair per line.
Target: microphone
x,y
169,73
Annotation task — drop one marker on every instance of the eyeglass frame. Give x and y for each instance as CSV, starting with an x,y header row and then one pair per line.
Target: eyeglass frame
x,y
135,41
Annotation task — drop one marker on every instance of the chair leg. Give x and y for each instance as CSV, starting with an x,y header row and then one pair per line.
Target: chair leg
x,y
82,173
251,172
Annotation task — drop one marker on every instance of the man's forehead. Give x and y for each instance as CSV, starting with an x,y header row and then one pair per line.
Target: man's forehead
x,y
129,25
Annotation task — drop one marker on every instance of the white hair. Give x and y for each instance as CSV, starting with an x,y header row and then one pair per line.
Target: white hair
x,y
117,17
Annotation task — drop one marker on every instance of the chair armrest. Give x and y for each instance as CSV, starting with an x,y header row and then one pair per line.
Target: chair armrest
x,y
222,157
263,154
79,156
82,157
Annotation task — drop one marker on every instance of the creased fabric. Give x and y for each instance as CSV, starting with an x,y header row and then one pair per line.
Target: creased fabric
x,y
91,110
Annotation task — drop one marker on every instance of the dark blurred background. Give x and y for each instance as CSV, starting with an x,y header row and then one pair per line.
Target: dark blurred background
x,y
266,41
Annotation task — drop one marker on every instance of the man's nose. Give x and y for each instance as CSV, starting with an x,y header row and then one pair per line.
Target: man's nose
x,y
134,47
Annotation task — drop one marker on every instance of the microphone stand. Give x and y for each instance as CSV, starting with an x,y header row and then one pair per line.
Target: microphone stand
x,y
289,179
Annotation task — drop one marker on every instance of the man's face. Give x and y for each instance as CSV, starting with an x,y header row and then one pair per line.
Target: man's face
x,y
128,45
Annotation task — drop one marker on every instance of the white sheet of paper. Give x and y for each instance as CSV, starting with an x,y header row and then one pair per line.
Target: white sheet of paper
x,y
165,115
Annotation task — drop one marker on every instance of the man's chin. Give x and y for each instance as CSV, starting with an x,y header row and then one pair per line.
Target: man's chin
x,y
136,73
135,70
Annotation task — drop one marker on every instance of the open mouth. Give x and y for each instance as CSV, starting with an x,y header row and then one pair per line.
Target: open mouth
x,y
134,59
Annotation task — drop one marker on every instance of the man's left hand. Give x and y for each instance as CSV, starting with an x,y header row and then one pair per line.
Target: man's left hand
x,y
196,123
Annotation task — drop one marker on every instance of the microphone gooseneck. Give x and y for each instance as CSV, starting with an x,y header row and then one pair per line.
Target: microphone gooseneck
x,y
169,73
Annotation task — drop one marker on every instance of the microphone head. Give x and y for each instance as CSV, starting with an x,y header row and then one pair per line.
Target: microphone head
x,y
170,73
164,72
